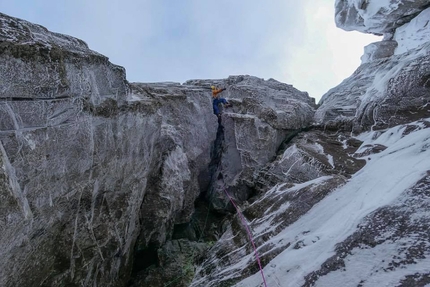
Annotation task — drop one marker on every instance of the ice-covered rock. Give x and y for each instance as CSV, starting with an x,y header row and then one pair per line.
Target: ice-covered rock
x,y
263,114
390,87
91,174
413,34
378,50
97,173
376,16
110,183
339,210
290,186
327,229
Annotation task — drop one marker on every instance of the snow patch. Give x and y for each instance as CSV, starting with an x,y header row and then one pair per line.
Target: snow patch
x,y
337,216
413,34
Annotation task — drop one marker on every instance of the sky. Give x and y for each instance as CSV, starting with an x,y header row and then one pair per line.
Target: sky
x,y
295,42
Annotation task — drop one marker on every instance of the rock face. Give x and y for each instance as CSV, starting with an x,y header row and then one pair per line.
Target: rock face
x,y
302,175
329,228
336,210
391,87
375,16
89,165
97,172
110,183
264,113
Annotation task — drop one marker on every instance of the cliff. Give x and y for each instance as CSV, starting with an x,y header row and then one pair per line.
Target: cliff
x,y
110,183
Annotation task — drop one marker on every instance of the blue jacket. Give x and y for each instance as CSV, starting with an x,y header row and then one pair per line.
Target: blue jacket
x,y
215,104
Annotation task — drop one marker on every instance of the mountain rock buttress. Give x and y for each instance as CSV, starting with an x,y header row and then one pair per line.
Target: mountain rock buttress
x,y
109,183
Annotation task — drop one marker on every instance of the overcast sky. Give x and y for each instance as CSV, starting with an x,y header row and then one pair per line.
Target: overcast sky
x,y
295,42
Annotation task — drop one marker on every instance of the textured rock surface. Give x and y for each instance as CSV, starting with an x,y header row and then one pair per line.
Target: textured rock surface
x,y
96,172
376,16
317,221
366,230
391,87
107,183
379,94
378,50
264,113
83,159
309,169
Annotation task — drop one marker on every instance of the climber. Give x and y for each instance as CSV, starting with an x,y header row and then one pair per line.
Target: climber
x,y
218,103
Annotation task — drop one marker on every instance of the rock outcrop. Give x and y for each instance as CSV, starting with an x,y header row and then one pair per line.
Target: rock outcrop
x,y
332,228
264,113
391,87
97,173
87,169
339,210
109,183
375,16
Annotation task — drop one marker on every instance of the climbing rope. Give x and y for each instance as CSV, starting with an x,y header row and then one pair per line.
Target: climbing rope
x,y
249,235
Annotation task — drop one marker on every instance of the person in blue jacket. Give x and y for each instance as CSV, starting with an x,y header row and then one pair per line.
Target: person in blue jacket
x,y
218,102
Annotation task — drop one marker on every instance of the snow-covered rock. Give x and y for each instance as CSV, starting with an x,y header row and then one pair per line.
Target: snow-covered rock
x,y
413,34
378,50
110,183
376,16
390,87
264,113
87,168
371,230
334,209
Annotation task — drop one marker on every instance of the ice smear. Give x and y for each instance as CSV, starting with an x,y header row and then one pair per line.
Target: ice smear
x,y
385,177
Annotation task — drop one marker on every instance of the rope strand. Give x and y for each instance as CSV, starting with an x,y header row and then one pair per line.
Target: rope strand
x,y
249,235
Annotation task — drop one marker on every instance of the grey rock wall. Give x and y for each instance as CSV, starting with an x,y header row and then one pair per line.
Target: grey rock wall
x,y
97,172
83,159
264,113
99,177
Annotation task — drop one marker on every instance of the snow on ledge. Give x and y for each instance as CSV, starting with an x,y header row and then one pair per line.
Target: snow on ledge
x,y
381,182
413,34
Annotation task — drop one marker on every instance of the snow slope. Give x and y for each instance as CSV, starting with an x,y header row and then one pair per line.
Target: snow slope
x,y
413,34
383,181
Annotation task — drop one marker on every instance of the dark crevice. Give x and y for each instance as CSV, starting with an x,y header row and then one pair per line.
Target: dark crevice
x,y
216,156
145,258
290,136
205,224
216,151
18,99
